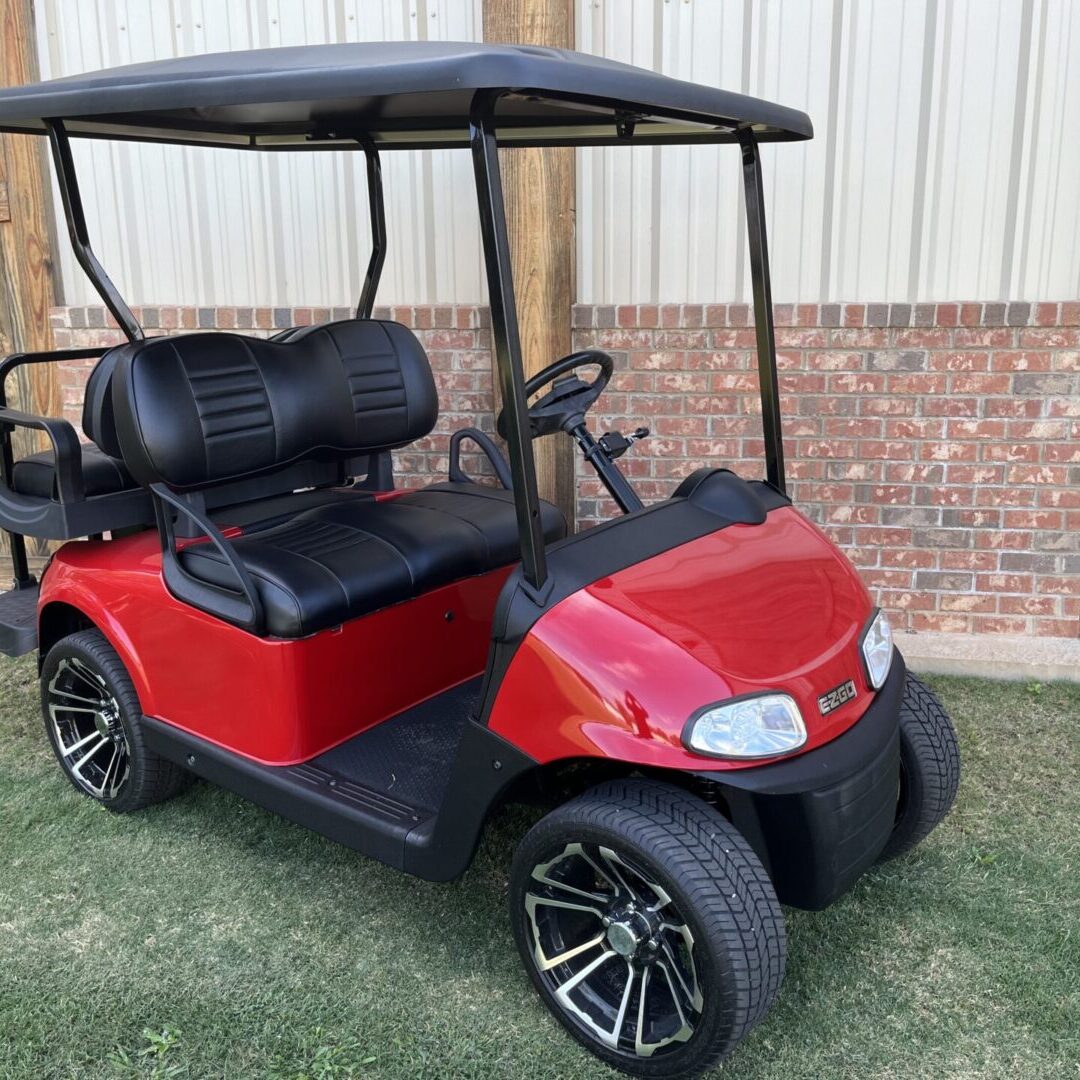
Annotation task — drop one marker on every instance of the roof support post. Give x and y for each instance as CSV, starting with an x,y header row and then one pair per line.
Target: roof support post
x,y
504,334
763,310
377,210
80,237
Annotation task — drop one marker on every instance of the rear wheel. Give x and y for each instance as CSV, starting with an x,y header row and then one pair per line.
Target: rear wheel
x,y
648,926
929,768
92,718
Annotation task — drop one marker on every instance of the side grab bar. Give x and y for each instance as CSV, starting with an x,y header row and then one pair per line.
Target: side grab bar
x,y
491,451
243,607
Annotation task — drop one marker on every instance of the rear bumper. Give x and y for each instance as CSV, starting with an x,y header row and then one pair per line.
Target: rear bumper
x,y
819,820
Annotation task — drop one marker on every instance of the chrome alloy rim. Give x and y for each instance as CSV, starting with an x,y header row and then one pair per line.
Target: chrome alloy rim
x,y
86,724
613,949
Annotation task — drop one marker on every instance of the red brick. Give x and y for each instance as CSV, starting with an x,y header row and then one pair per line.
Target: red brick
x,y
999,337
915,429
868,338
1023,360
1013,406
965,360
922,337
1010,452
1064,451
885,450
969,560
1060,586
916,383
978,383
944,623
887,406
1042,337
994,624
948,451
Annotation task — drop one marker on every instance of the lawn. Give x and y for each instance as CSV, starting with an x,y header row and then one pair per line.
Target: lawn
x,y
207,938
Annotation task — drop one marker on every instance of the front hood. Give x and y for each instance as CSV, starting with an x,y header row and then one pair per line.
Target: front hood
x,y
743,609
760,605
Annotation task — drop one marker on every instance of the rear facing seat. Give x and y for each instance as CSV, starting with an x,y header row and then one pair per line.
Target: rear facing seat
x,y
197,411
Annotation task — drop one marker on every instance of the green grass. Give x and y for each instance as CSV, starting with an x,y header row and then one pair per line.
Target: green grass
x,y
206,938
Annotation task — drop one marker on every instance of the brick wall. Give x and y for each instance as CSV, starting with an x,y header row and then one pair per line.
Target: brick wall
x,y
938,444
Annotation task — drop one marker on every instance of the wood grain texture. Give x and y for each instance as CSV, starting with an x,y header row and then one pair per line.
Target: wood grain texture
x,y
539,189
26,268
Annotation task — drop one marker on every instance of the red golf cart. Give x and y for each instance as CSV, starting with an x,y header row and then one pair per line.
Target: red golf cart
x,y
701,689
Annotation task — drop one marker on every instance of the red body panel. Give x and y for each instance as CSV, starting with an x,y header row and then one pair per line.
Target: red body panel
x,y
279,702
616,669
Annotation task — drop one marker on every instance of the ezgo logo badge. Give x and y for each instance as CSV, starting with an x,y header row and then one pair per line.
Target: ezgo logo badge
x,y
837,696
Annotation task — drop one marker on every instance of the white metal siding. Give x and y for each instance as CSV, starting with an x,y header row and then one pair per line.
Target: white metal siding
x,y
946,163
198,226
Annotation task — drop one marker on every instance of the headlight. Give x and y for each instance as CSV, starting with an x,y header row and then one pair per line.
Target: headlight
x,y
877,649
755,726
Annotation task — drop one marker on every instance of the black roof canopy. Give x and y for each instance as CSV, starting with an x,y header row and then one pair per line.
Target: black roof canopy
x,y
400,94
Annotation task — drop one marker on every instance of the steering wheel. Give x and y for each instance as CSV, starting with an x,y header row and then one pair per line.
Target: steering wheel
x,y
564,406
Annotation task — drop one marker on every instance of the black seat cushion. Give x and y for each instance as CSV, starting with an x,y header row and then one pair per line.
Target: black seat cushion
x,y
349,558
277,509
490,511
102,475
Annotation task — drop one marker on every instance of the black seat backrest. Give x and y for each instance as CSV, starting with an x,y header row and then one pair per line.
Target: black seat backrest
x,y
204,409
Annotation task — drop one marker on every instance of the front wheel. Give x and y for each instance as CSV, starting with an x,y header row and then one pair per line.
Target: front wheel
x,y
648,926
929,768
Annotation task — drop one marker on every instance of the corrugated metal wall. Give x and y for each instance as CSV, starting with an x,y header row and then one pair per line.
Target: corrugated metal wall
x,y
946,163
218,227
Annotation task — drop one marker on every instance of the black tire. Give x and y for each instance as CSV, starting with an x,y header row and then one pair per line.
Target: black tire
x,y
929,768
76,669
719,892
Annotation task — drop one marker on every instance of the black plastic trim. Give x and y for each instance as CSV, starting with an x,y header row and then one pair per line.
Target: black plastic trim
x,y
374,826
819,819
441,848
437,847
18,621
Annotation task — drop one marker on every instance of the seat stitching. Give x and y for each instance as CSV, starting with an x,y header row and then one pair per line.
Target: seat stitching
x,y
401,368
345,377
315,562
266,394
195,405
465,521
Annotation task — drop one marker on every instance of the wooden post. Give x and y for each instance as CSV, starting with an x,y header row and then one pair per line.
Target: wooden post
x,y
26,279
539,188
